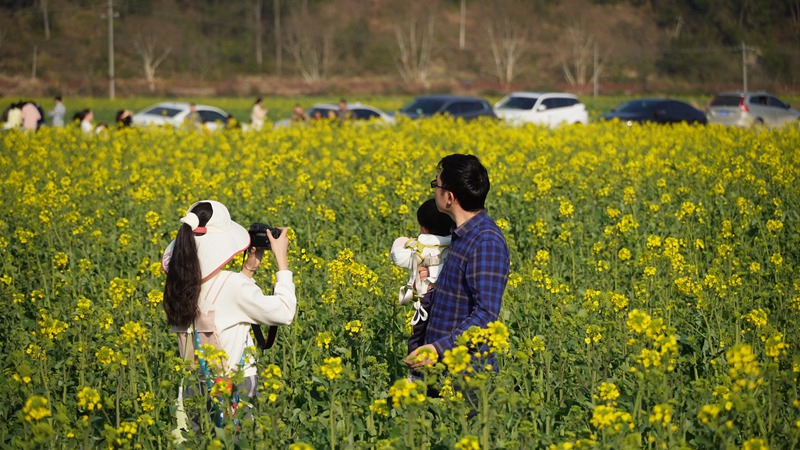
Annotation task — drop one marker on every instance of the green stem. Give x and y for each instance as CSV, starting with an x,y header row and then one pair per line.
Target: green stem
x,y
484,417
119,392
333,424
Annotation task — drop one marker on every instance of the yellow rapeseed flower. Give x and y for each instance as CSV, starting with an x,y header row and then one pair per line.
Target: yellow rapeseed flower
x,y
36,408
332,368
608,393
458,359
89,399
755,444
708,413
661,415
468,443
380,407
353,327
405,392
323,339
776,259
537,344
147,401
638,321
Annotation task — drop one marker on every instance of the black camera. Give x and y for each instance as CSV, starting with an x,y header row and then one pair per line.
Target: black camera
x,y
258,235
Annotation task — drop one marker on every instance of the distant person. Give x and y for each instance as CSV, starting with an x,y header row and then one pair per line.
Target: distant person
x,y
13,116
299,114
231,123
124,118
342,112
257,115
193,119
58,113
30,116
86,119
317,115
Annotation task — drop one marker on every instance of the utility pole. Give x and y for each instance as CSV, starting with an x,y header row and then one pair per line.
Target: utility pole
x,y
744,67
111,49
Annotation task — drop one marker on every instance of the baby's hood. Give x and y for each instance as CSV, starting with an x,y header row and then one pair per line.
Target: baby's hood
x,y
433,239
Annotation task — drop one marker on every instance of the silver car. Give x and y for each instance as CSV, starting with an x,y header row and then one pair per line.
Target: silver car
x,y
750,109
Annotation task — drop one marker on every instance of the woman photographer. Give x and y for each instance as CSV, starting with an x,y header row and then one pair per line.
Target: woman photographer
x,y
205,304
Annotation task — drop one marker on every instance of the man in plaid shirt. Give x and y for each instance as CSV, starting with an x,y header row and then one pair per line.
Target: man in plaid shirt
x,y
469,290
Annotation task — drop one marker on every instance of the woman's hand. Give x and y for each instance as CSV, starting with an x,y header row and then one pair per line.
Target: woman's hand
x,y
280,247
254,257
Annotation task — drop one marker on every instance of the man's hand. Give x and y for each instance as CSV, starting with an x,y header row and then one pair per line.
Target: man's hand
x,y
425,355
423,272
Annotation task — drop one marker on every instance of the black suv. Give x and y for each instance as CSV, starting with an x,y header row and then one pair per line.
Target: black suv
x,y
467,108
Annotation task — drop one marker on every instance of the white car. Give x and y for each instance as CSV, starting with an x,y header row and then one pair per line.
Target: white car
x,y
543,108
176,113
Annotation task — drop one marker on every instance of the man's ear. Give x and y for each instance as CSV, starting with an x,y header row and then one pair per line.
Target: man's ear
x,y
451,198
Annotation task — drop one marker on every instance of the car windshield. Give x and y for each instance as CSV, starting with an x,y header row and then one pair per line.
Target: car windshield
x,y
162,111
424,106
726,100
635,106
517,103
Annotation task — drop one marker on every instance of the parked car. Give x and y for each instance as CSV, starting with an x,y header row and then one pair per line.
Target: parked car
x,y
358,111
176,113
750,109
467,108
542,108
657,110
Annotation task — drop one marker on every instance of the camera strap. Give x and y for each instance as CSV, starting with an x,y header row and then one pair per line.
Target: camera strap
x,y
263,344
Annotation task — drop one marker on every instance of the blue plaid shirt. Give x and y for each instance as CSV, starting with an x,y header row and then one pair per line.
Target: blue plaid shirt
x,y
469,290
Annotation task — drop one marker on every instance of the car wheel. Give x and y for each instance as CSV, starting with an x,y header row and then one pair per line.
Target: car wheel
x,y
758,124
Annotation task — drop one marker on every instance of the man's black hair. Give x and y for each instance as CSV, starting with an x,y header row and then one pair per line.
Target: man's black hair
x,y
466,178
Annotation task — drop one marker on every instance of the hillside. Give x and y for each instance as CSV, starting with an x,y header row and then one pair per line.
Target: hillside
x,y
178,47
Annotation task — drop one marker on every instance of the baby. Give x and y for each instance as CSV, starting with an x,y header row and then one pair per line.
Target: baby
x,y
423,257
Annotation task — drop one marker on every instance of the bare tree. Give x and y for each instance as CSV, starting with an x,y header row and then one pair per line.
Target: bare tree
x,y
794,7
310,44
147,47
508,39
276,10
257,27
462,35
415,45
45,18
582,64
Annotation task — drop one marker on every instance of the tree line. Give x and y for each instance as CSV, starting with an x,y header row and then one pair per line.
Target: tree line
x,y
568,43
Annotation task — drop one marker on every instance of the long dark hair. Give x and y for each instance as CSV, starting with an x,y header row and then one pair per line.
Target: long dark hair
x,y
182,289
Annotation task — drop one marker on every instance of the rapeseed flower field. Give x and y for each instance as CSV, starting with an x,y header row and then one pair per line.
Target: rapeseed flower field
x,y
653,301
